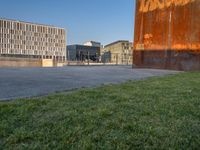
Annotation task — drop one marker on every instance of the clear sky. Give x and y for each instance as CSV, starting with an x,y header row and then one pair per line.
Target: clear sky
x,y
100,20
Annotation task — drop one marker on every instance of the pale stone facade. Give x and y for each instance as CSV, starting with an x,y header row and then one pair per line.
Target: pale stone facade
x,y
121,52
29,40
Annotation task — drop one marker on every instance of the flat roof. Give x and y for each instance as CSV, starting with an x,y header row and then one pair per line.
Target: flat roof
x,y
93,42
5,19
119,41
83,45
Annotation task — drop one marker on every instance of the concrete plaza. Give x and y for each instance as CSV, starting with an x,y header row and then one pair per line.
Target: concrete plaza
x,y
30,82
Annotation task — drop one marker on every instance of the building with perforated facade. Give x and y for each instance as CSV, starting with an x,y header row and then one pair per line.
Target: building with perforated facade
x,y
29,40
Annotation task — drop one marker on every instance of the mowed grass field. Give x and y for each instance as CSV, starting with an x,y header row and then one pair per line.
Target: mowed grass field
x,y
157,113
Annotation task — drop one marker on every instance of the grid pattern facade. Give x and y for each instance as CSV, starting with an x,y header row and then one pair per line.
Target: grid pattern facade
x,y
23,39
120,52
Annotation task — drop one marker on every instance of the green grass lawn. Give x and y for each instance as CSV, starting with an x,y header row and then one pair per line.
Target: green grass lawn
x,y
157,113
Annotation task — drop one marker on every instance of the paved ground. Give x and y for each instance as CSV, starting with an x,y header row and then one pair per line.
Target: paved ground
x,y
29,82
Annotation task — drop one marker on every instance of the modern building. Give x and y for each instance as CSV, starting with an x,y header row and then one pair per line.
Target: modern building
x,y
167,34
83,53
119,52
92,43
29,40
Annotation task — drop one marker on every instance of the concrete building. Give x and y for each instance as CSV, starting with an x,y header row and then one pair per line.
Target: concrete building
x,y
120,52
92,43
83,53
29,40
167,34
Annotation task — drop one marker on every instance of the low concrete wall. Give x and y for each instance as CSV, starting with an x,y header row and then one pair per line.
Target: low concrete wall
x,y
29,62
19,62
47,63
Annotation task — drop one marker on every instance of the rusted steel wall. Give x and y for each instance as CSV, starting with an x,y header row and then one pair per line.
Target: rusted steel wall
x,y
167,34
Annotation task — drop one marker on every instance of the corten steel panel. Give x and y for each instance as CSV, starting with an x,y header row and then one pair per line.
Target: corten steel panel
x,y
167,34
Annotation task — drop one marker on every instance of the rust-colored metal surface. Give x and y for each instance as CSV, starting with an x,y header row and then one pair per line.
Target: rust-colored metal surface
x,y
167,34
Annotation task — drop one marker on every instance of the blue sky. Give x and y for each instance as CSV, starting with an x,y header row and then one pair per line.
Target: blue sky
x,y
100,20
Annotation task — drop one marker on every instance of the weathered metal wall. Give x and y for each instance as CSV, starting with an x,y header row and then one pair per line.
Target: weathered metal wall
x,y
167,34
